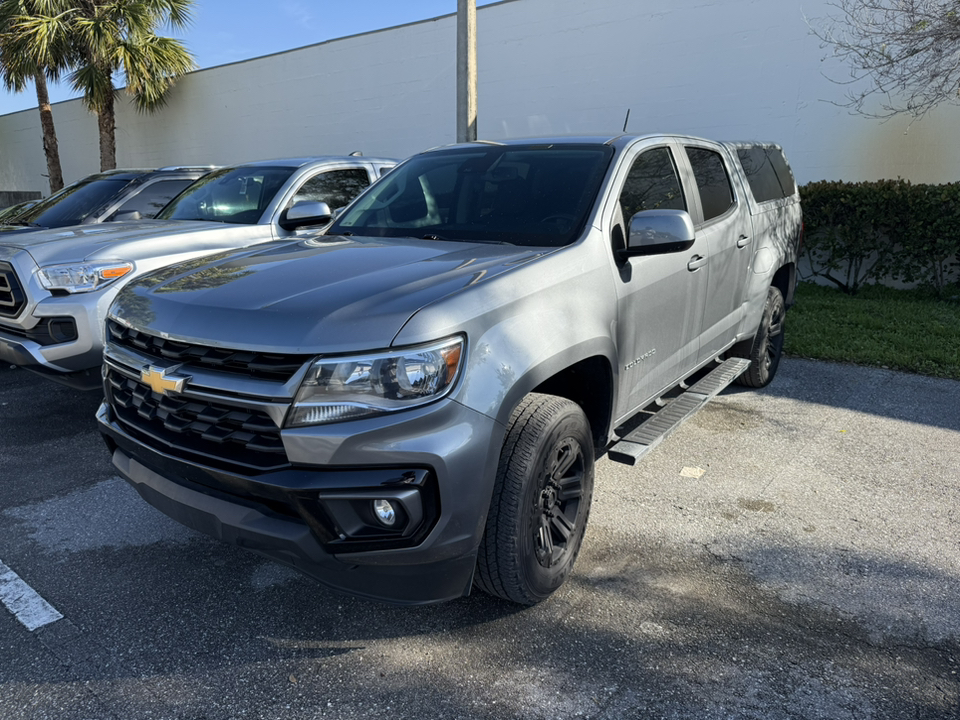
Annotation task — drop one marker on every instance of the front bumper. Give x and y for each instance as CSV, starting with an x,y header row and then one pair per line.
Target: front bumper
x,y
59,337
82,372
296,515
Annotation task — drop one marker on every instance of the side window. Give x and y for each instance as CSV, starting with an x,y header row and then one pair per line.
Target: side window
x,y
784,174
152,198
716,195
336,188
761,174
651,184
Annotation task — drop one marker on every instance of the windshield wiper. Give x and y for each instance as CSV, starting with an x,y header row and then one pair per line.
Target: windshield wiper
x,y
22,224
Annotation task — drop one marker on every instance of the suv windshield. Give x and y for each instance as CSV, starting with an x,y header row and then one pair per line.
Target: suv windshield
x,y
232,195
536,195
73,204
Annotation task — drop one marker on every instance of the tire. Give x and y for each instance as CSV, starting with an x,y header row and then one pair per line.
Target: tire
x,y
541,501
766,348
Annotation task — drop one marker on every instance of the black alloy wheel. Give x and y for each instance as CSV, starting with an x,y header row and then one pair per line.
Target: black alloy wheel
x,y
541,501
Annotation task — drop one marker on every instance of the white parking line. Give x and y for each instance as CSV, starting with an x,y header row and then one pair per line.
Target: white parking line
x,y
24,602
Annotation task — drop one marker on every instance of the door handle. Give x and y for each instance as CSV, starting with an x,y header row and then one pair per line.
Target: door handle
x,y
696,262
743,241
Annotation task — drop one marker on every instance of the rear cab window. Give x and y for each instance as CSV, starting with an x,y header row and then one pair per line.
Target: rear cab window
x,y
767,173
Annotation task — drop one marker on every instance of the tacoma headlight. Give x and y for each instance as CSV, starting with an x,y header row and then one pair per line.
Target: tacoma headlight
x,y
82,277
349,388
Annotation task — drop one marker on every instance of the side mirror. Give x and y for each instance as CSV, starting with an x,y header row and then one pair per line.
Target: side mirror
x,y
304,214
653,232
128,215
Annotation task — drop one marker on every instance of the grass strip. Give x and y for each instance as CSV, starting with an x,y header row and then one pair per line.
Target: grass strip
x,y
909,330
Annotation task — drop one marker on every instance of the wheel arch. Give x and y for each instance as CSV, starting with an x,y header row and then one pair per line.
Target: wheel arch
x,y
785,280
588,383
586,379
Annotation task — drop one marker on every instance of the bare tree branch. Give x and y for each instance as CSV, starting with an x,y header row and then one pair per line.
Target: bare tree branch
x,y
903,55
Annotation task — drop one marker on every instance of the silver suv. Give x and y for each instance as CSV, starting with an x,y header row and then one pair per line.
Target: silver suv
x,y
105,197
56,285
411,403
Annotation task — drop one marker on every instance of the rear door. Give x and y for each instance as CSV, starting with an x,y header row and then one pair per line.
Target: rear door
x,y
722,222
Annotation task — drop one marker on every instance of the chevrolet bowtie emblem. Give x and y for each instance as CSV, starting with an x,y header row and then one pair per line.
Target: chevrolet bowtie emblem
x,y
161,382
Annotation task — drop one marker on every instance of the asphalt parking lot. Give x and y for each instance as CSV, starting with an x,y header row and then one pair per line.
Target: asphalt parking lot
x,y
788,553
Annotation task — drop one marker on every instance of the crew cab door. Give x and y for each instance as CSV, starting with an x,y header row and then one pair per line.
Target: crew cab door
x,y
660,296
722,222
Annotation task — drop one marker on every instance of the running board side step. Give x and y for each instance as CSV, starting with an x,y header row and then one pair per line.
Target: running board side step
x,y
665,420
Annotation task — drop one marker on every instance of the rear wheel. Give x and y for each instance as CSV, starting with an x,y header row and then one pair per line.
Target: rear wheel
x,y
766,348
541,501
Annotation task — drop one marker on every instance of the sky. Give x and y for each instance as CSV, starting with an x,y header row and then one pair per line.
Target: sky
x,y
225,31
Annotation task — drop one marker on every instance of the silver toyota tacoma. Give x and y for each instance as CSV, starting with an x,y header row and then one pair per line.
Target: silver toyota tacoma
x,y
56,285
411,403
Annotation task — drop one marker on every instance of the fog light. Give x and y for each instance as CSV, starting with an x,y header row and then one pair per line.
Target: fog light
x,y
385,512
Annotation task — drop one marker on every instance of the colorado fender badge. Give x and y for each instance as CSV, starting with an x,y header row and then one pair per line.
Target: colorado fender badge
x,y
163,380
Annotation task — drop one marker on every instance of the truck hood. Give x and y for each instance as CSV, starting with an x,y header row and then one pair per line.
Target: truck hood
x,y
323,295
129,240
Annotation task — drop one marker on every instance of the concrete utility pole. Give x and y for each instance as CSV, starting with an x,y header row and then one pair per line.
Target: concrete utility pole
x,y
466,70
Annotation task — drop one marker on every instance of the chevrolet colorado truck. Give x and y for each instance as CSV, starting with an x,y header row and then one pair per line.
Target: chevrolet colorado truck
x,y
56,285
410,404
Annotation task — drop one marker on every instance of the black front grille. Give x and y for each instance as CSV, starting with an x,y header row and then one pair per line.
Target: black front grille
x,y
267,366
213,434
12,297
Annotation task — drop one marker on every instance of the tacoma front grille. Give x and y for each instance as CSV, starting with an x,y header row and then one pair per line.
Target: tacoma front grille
x,y
213,434
12,297
267,366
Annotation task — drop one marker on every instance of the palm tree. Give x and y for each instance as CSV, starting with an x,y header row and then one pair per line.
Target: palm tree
x,y
104,40
118,38
26,55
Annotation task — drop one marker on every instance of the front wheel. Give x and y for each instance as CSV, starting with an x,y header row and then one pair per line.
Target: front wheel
x,y
541,501
766,348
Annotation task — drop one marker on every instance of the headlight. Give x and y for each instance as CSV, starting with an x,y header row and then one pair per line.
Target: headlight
x,y
349,388
82,277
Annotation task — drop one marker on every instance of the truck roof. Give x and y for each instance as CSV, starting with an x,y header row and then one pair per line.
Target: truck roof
x,y
296,162
618,139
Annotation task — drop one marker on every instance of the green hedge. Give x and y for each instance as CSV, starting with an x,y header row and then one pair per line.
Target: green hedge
x,y
871,232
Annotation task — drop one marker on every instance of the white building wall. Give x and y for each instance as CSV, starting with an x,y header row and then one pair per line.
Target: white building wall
x,y
724,69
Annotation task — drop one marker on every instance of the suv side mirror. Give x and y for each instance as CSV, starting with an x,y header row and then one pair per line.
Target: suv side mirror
x,y
305,213
653,232
127,215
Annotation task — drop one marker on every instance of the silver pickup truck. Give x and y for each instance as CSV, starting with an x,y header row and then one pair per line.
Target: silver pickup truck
x,y
411,403
56,285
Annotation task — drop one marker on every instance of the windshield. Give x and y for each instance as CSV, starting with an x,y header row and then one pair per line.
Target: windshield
x,y
73,204
232,195
533,195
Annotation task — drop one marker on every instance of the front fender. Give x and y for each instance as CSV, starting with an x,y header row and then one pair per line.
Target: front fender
x,y
525,326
